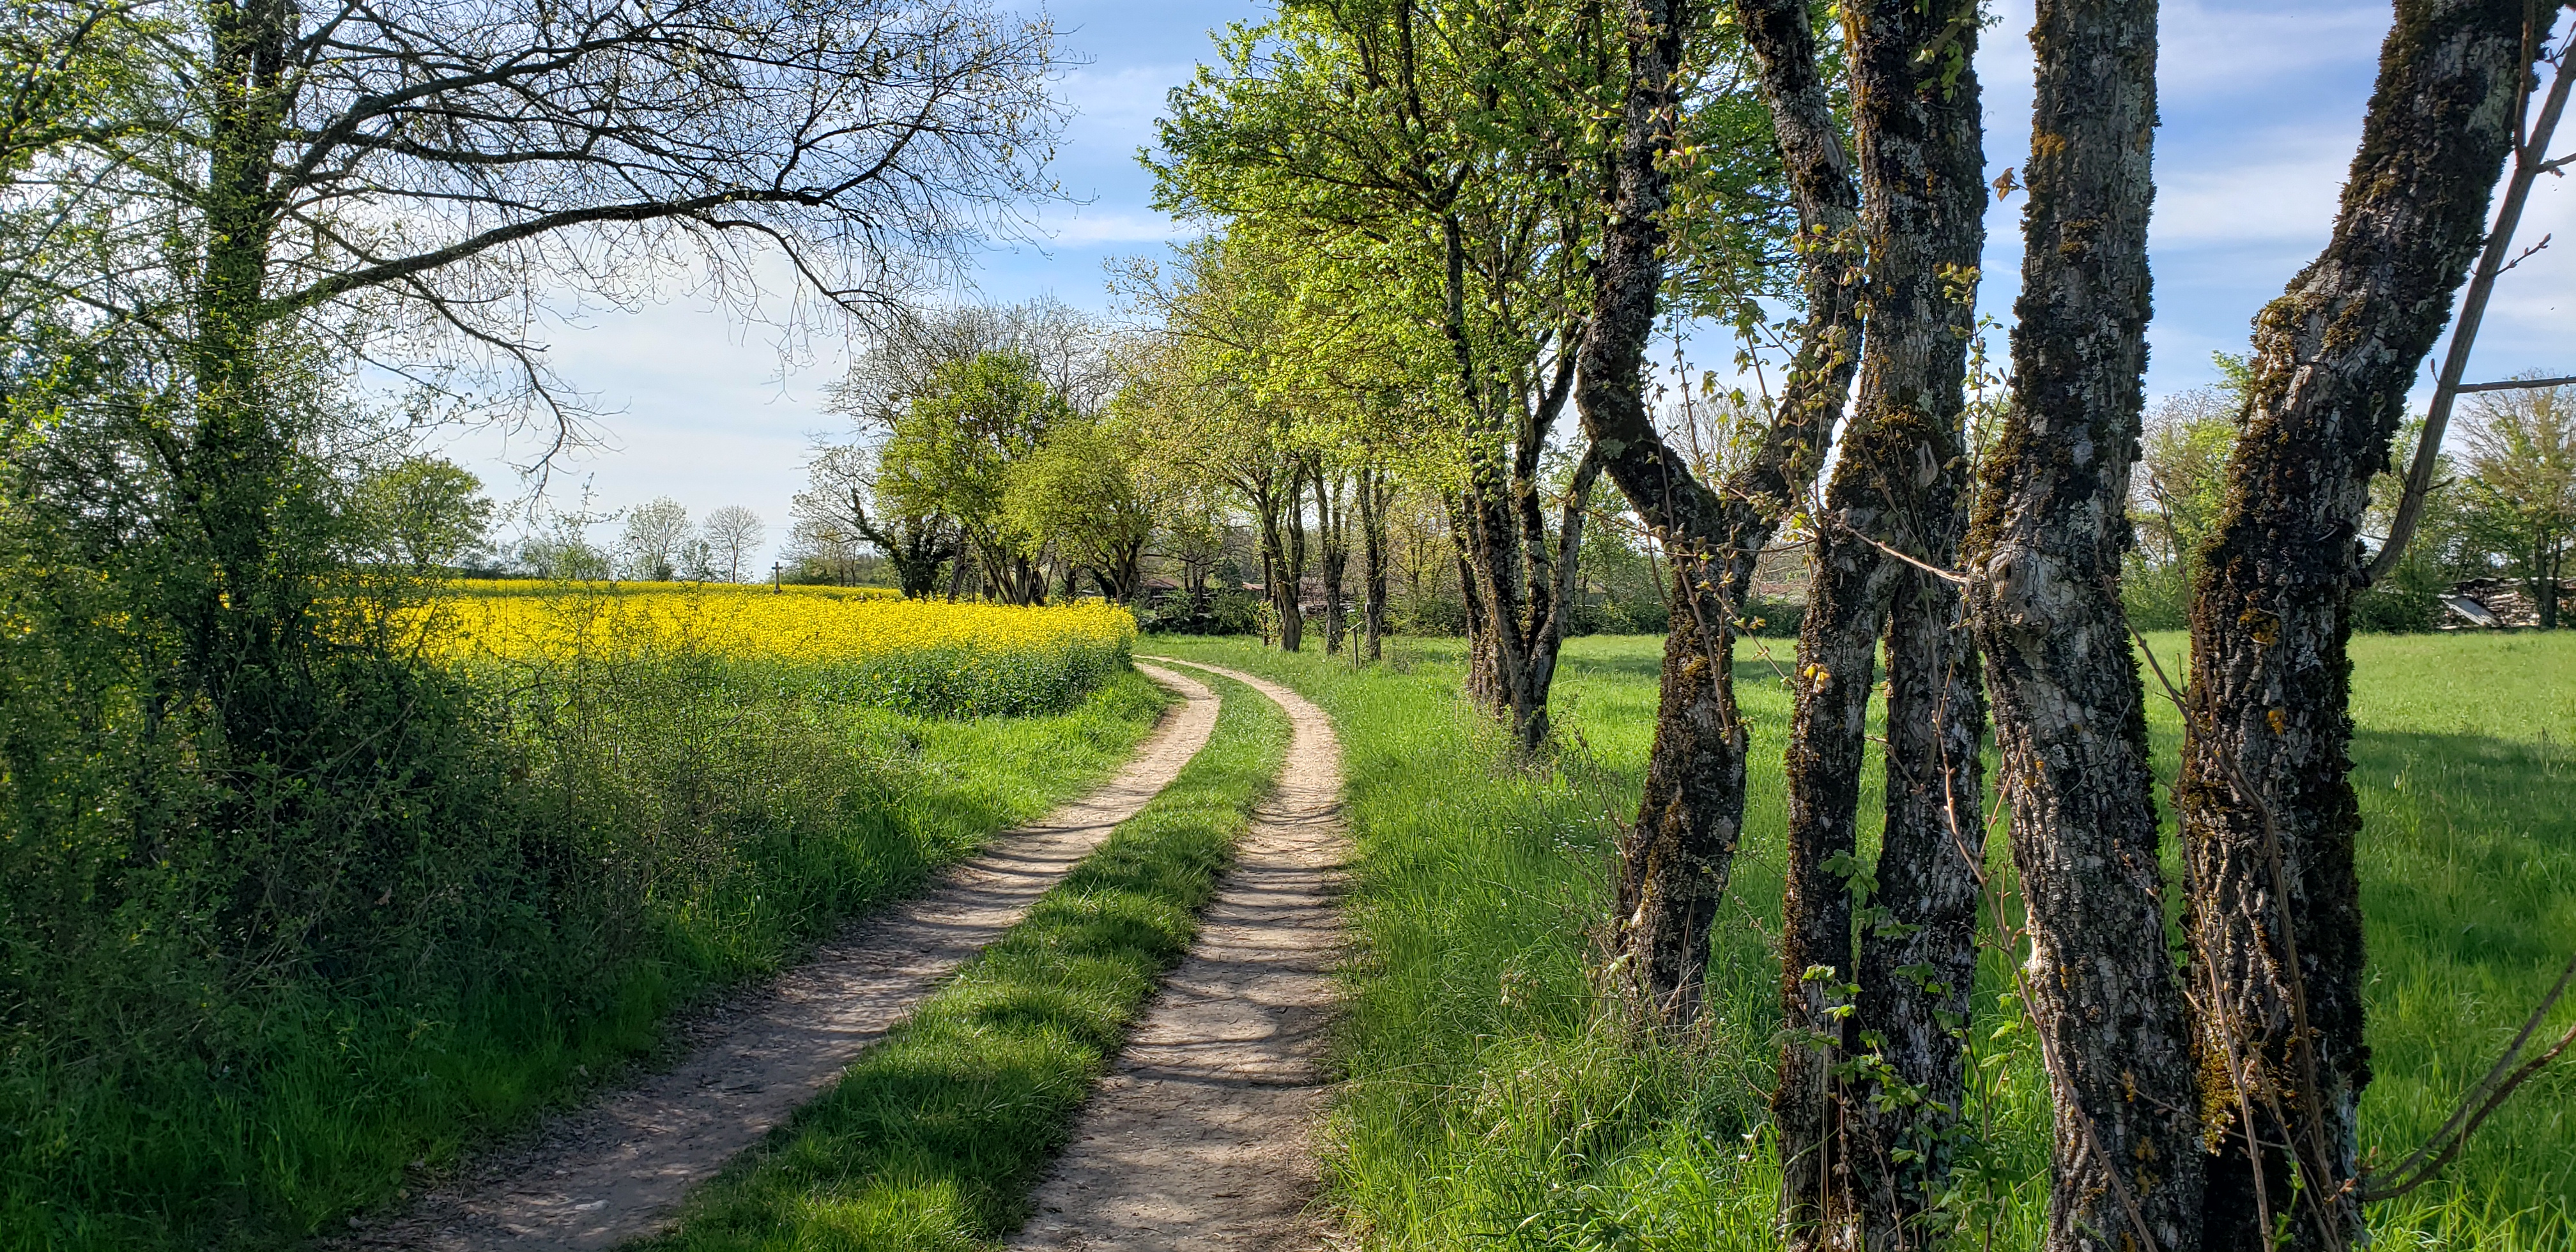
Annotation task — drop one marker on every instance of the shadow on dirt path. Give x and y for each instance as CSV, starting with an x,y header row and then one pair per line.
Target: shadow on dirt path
x,y
618,1170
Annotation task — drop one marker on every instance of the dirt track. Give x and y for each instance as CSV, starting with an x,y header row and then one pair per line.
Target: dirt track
x,y
1201,1139
619,1169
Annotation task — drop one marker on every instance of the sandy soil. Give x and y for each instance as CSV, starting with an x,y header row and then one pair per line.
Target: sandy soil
x,y
618,1170
1202,1137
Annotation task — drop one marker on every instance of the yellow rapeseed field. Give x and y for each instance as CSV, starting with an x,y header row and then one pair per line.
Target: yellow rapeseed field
x,y
859,644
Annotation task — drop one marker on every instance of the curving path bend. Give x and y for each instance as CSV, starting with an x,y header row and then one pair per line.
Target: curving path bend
x,y
1201,1139
618,1170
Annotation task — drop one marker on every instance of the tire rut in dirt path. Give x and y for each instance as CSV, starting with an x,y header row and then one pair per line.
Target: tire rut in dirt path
x,y
1202,1138
618,1170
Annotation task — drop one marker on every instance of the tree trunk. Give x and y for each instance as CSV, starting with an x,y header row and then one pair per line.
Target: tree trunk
x,y
1291,591
2044,560
233,609
1847,589
1860,1151
2268,815
1675,862
1484,682
1332,505
1918,960
1372,502
1508,554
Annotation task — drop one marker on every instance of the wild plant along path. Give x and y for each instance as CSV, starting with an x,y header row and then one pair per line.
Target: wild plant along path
x,y
1201,1140
618,1170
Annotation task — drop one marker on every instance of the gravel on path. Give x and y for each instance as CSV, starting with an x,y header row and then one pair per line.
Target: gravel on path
x,y
618,1170
1202,1138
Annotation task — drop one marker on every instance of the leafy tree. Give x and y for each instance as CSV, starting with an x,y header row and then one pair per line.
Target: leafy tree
x,y
2176,492
426,512
833,520
407,184
1416,136
2521,486
952,454
1079,491
1199,391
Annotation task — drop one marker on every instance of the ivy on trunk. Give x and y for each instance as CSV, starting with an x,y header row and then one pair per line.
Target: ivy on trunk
x,y
1867,1092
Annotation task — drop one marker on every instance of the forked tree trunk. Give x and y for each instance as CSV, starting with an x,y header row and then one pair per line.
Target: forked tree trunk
x,y
1332,511
1675,862
1861,1156
1484,681
1371,489
2269,817
2044,585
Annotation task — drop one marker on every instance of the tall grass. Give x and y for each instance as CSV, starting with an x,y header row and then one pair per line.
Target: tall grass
x,y
1491,1102
639,830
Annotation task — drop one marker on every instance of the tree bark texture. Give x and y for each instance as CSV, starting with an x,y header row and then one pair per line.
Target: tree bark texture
x,y
2044,560
1918,953
2268,814
1675,861
1900,484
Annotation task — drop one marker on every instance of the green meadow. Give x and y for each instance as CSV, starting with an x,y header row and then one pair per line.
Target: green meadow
x,y
1490,1099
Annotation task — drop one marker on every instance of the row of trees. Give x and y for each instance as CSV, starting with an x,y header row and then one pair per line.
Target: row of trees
x,y
1437,224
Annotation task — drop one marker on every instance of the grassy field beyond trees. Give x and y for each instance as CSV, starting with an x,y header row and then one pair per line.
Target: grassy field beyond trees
x,y
1493,1102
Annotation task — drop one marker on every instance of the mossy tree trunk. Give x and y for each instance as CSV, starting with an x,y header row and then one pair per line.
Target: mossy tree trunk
x,y
1675,863
1866,1092
2269,818
2044,559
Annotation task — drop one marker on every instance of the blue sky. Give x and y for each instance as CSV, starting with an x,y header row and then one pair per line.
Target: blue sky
x,y
2261,101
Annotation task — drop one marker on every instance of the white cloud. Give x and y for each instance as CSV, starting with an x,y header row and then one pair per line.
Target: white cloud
x,y
2209,51
1087,227
2276,187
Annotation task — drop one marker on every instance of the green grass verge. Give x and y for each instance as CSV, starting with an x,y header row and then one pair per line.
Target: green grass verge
x,y
769,823
1487,1104
933,1138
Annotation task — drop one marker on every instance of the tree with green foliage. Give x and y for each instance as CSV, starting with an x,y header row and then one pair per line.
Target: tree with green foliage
x,y
1079,491
425,513
409,184
1420,141
2520,487
1200,392
953,453
841,510
2176,491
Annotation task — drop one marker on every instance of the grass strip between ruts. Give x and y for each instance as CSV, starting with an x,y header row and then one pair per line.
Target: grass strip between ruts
x,y
933,1138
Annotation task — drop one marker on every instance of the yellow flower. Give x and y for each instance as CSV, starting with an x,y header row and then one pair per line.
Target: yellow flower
x,y
857,644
